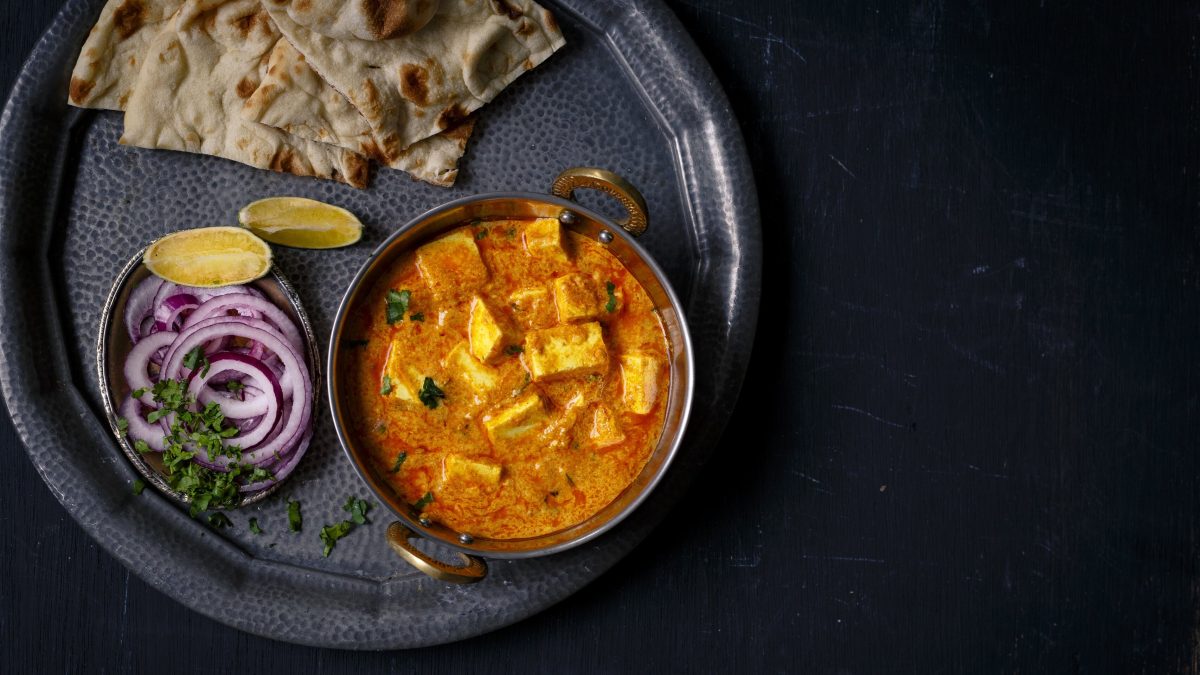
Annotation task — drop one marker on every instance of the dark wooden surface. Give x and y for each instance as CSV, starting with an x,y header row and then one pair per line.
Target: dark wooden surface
x,y
968,438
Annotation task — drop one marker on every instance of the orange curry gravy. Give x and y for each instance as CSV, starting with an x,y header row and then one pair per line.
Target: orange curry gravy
x,y
555,383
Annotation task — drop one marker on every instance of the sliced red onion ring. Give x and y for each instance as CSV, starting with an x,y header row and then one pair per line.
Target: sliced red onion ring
x,y
137,364
253,368
244,305
139,428
139,306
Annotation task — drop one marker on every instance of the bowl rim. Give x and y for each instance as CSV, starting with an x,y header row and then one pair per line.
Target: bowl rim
x,y
567,205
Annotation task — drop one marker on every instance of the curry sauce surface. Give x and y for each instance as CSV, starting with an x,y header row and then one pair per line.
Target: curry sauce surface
x,y
535,434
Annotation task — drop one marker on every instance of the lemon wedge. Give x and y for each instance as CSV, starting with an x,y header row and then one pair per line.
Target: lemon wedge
x,y
301,223
209,257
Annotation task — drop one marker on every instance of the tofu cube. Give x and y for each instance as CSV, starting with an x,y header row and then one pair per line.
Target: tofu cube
x,y
479,377
544,238
566,351
524,417
399,382
533,307
452,266
575,298
487,338
604,430
639,381
460,470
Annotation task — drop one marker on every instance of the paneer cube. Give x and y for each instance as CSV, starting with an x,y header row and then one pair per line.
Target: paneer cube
x,y
452,266
479,377
575,298
460,470
604,430
566,351
522,418
487,338
639,380
544,238
397,380
533,307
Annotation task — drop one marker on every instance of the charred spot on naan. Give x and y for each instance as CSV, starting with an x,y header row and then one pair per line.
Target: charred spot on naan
x,y
414,83
452,116
246,87
506,8
245,24
129,17
388,19
80,89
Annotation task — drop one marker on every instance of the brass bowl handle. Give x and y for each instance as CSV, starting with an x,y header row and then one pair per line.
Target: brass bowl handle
x,y
473,569
610,184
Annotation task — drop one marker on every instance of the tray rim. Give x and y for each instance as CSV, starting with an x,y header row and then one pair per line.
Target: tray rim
x,y
706,129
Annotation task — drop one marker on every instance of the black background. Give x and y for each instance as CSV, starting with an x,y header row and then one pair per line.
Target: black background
x,y
968,437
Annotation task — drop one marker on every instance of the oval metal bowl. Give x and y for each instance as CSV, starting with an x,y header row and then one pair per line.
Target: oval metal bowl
x,y
113,344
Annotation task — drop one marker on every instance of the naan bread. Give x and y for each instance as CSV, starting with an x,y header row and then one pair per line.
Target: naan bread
x,y
412,87
362,19
112,55
190,90
292,97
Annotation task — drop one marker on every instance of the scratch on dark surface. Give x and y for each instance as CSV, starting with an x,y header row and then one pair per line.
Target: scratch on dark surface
x,y
767,35
877,418
986,473
839,163
843,558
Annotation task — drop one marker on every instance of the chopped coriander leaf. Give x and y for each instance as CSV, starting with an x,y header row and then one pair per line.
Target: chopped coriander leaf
x,y
138,393
397,305
141,446
236,387
513,350
254,526
430,393
295,522
611,305
511,232
219,520
419,316
481,234
196,359
122,425
351,344
570,480
424,501
358,509
399,460
138,486
157,414
386,387
331,533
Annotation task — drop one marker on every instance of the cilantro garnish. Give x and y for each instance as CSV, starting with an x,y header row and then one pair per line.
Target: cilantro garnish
x,y
481,234
219,520
399,460
611,306
138,393
122,425
331,533
513,350
236,387
138,486
196,359
358,509
386,387
424,501
397,305
295,522
430,393
141,446
419,316
570,481
254,526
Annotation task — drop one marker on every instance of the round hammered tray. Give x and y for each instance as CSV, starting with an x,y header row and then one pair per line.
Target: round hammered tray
x,y
629,92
